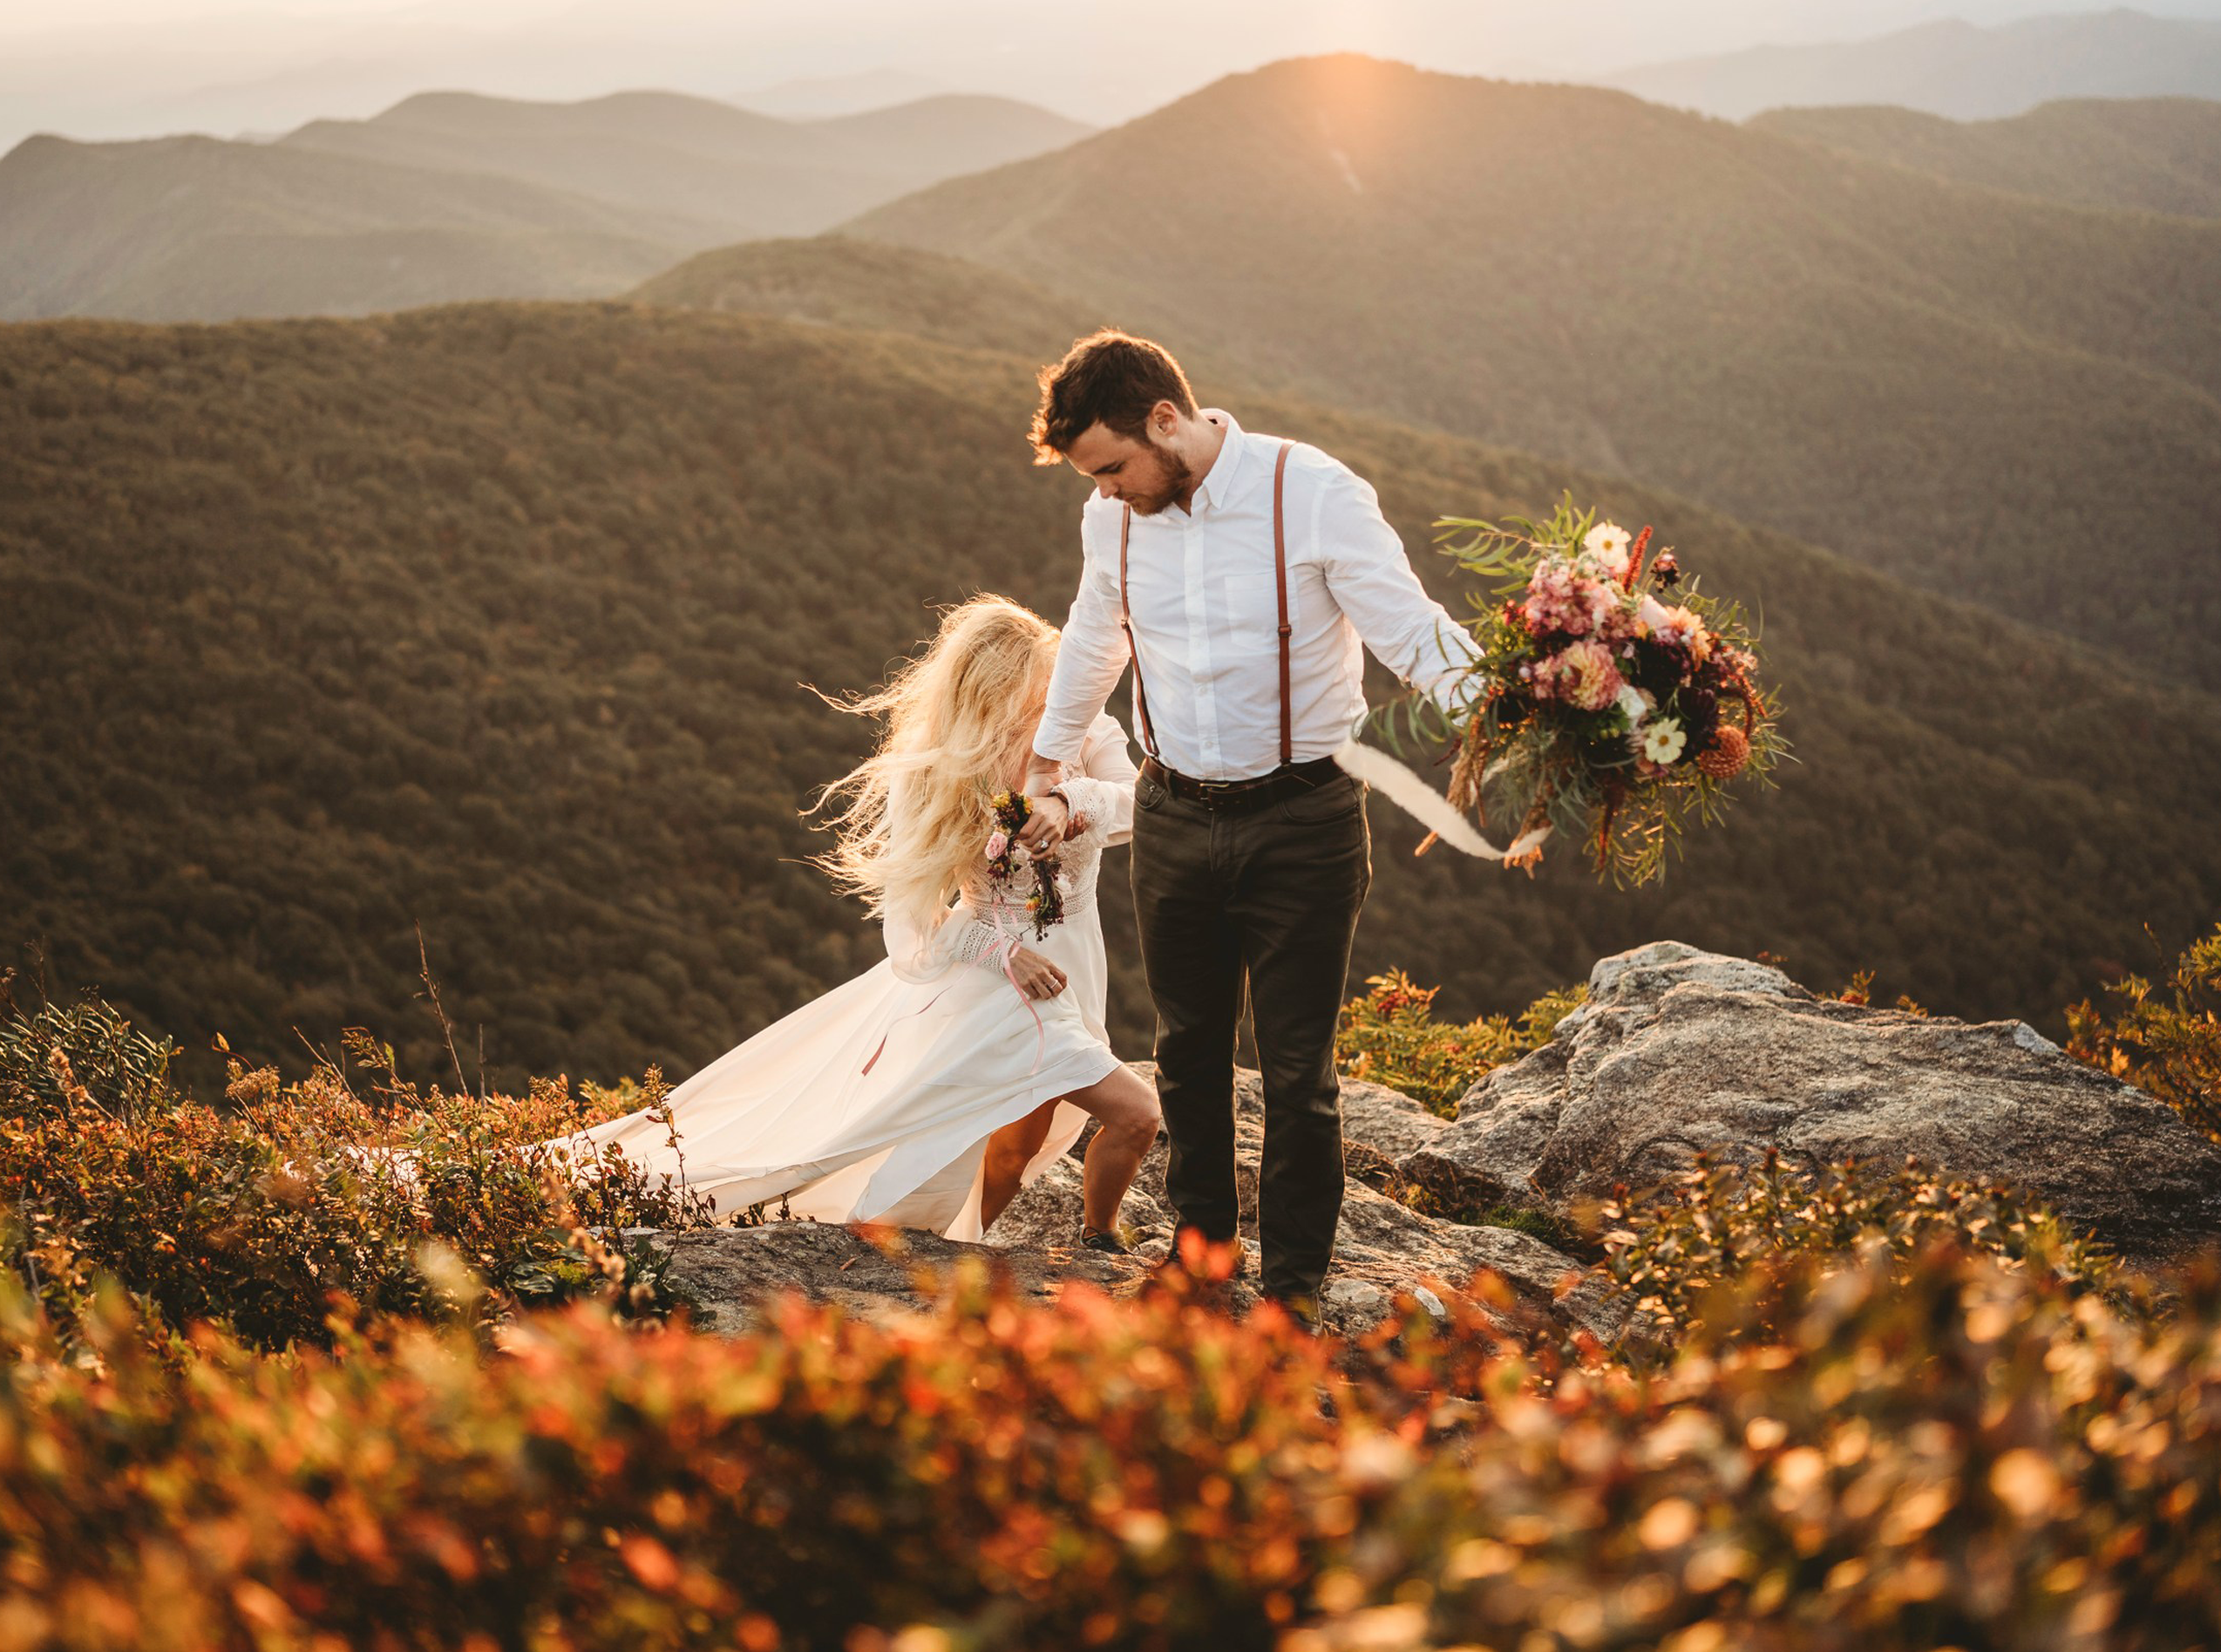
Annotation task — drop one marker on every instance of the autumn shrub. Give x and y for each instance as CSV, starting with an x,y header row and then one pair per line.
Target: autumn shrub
x,y
1089,1472
1391,1036
293,1202
60,1057
1718,1224
2164,1040
1900,1455
1869,1455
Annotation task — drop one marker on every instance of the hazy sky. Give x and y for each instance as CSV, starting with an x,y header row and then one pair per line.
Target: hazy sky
x,y
120,68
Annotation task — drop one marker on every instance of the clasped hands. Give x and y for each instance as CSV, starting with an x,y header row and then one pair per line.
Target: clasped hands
x,y
1052,821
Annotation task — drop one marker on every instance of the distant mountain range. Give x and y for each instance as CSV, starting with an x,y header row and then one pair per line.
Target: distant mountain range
x,y
493,618
2149,154
816,97
451,195
2009,399
1954,69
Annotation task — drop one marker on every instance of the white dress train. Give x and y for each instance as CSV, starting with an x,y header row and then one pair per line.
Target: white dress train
x,y
874,1103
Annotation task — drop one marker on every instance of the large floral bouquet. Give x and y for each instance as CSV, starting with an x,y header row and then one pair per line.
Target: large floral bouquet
x,y
1611,700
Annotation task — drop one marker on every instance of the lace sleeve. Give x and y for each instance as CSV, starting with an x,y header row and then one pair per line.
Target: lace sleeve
x,y
1101,794
920,954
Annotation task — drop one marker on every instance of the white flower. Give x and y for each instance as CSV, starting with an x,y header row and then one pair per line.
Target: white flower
x,y
1608,542
1634,702
1662,742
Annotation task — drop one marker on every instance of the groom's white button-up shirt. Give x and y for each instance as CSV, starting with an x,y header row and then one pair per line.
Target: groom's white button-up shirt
x,y
1206,617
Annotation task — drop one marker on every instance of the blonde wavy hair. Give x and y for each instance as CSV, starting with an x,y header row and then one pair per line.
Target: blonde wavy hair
x,y
914,816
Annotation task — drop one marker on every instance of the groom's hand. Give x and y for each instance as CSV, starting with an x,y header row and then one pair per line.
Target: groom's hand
x,y
1036,834
1044,827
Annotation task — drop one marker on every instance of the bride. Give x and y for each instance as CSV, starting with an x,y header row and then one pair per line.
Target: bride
x,y
926,1091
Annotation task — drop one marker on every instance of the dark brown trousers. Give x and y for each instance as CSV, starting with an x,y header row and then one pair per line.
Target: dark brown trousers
x,y
1270,895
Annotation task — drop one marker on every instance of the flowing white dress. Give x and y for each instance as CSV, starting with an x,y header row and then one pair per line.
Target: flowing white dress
x,y
874,1103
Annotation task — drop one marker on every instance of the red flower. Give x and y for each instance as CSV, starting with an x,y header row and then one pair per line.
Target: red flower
x,y
1635,559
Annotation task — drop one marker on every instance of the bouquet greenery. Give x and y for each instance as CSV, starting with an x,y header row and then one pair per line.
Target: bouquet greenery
x,y
1016,877
1610,700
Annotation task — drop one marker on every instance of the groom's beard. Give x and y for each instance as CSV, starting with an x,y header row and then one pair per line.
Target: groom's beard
x,y
1178,480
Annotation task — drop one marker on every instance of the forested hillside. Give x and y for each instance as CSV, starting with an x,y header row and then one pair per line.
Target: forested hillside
x,y
492,619
2009,400
2151,154
870,285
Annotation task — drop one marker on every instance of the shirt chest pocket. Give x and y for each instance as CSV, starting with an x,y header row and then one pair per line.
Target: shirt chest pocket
x,y
1248,618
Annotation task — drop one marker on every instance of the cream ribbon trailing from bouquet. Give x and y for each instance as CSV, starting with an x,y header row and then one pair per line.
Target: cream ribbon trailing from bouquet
x,y
1416,798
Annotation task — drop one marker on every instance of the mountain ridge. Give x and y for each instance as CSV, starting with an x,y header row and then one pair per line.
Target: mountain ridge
x,y
452,195
1857,354
2151,154
1952,67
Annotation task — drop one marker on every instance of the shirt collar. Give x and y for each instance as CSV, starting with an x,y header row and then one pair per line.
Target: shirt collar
x,y
1218,482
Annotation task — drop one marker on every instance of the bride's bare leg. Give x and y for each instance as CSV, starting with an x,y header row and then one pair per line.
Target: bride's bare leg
x,y
1125,1105
1009,1152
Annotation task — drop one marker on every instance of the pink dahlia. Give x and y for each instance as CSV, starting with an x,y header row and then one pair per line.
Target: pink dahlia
x,y
1555,601
1582,675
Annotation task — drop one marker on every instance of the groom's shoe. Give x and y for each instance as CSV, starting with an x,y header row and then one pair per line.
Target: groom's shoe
x,y
1301,1308
1191,1254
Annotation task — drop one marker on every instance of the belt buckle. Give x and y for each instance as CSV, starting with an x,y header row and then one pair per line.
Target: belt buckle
x,y
1213,795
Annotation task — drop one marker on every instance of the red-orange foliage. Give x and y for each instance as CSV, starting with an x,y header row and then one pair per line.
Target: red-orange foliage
x,y
1948,1454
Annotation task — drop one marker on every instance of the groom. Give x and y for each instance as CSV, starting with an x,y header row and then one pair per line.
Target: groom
x,y
1237,576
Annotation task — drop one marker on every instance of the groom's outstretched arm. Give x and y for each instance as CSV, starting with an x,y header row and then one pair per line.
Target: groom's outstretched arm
x,y
1372,582
1090,661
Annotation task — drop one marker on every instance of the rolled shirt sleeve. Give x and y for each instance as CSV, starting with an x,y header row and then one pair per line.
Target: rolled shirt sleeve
x,y
1102,793
1370,579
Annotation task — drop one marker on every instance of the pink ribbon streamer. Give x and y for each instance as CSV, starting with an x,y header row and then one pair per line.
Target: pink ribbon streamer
x,y
880,1048
1009,953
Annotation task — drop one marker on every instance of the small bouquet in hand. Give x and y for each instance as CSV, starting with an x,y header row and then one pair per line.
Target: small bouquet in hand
x,y
1044,901
1610,700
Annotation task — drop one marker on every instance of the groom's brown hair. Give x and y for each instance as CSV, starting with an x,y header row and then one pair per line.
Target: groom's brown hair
x,y
1110,378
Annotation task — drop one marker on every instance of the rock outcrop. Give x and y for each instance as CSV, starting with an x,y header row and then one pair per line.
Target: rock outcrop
x,y
1384,1248
1676,1052
1679,1052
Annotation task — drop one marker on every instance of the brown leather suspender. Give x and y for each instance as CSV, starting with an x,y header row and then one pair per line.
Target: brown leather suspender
x,y
1126,618
1280,578
1279,581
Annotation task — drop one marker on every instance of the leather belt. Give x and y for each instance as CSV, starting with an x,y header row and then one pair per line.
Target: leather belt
x,y
1236,795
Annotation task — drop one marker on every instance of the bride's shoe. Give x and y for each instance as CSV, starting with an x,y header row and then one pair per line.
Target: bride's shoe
x,y
1109,1241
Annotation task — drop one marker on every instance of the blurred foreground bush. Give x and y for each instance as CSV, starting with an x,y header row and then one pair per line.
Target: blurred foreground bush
x,y
1876,1456
1721,1225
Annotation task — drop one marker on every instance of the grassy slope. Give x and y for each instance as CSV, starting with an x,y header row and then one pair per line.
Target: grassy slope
x,y
492,617
2005,399
2150,154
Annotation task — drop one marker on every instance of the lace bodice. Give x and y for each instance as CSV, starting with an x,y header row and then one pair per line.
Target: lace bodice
x,y
975,930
